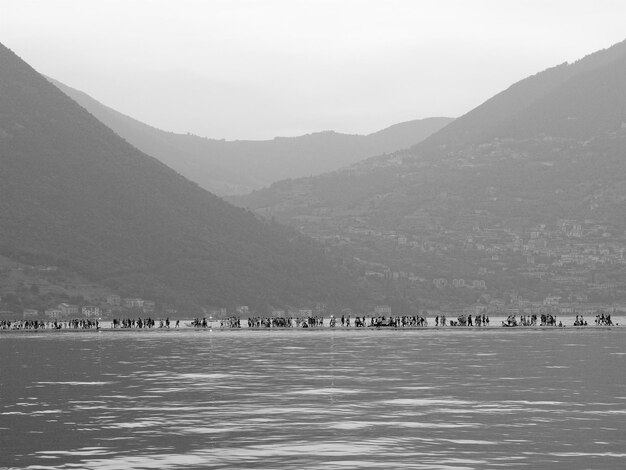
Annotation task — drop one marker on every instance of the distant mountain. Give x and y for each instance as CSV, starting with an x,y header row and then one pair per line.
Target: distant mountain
x,y
75,195
237,167
545,158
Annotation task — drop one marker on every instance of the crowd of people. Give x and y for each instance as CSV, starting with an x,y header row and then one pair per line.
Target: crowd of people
x,y
231,322
200,323
345,321
580,321
464,320
405,321
141,323
74,324
601,320
282,322
531,320
414,321
604,320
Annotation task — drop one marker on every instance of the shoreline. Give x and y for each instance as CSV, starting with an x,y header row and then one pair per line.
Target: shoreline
x,y
312,329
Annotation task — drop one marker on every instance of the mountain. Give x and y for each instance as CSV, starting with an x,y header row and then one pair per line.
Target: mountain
x,y
525,193
237,167
563,101
73,194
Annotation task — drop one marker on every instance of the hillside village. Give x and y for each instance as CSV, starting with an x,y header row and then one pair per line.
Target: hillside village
x,y
45,293
115,306
580,264
475,243
567,267
92,308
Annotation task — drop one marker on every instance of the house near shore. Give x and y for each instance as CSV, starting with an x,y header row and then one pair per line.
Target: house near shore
x,y
68,310
53,313
382,310
131,303
90,311
30,313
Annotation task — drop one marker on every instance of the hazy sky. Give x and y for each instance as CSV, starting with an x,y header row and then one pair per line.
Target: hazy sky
x,y
252,69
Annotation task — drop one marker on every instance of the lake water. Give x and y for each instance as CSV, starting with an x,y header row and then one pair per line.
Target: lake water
x,y
435,399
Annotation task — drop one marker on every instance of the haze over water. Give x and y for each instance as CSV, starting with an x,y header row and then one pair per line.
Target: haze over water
x,y
314,399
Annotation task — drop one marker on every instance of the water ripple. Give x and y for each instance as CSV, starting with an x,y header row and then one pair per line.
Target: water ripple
x,y
329,400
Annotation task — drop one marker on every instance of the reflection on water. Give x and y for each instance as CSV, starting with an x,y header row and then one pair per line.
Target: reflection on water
x,y
313,399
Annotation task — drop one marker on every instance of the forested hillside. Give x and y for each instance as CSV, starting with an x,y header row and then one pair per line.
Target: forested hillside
x,y
75,195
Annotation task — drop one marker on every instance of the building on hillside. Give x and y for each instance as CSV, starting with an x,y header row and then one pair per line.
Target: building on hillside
x,y
149,306
114,300
30,313
382,310
552,300
131,303
53,313
458,282
242,310
91,311
68,310
479,284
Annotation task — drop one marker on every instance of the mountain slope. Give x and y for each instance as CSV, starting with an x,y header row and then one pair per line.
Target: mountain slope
x,y
545,157
514,111
74,194
237,167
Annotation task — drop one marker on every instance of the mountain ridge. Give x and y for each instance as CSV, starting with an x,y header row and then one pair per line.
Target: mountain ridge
x,y
238,166
486,120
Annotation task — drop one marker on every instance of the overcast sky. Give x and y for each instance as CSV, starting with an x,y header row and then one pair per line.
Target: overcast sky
x,y
244,69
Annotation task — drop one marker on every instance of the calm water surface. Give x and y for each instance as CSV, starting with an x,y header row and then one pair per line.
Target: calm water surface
x,y
314,399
